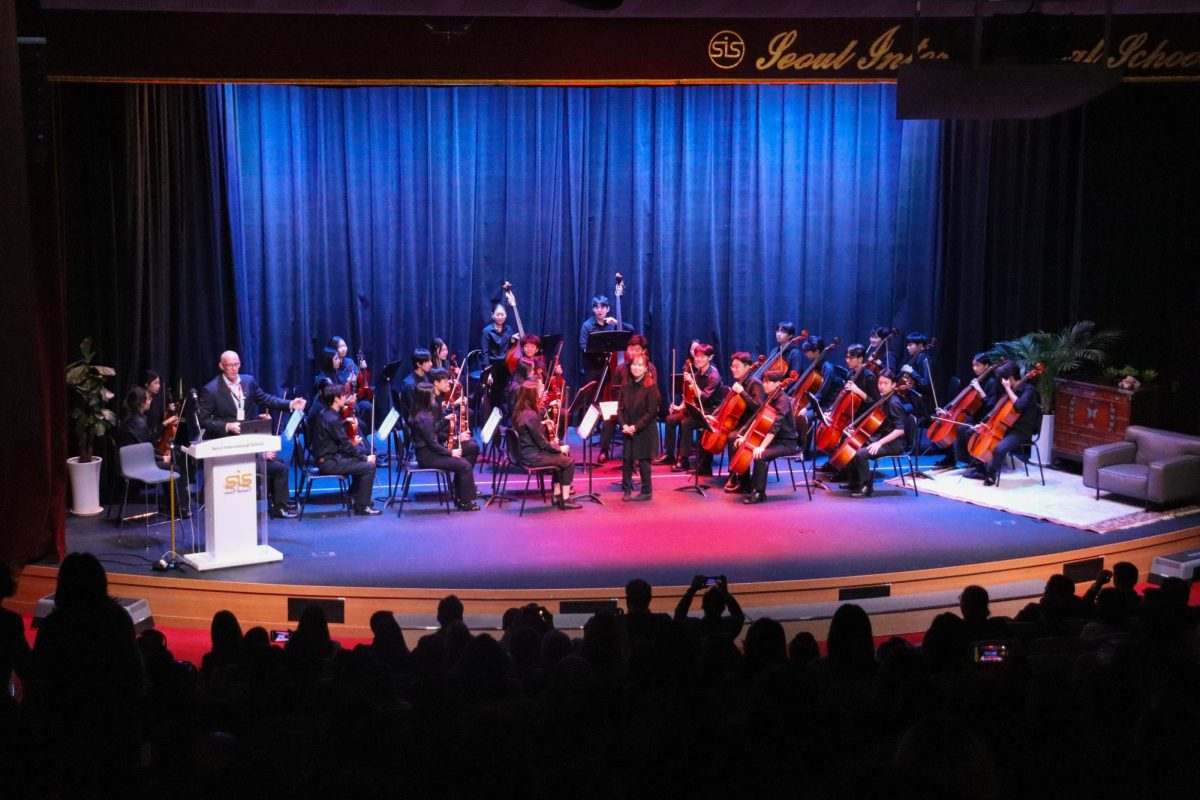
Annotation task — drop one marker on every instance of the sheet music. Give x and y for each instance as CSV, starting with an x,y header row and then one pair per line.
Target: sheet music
x,y
385,429
589,421
489,427
608,409
293,422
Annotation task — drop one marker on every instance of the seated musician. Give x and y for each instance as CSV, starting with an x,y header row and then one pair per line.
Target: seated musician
x,y
740,367
536,451
430,444
636,346
785,331
812,347
1020,433
350,372
439,354
161,412
637,410
444,411
864,384
329,364
494,341
229,400
782,440
684,419
989,392
878,350
136,428
918,367
887,440
526,371
422,363
335,454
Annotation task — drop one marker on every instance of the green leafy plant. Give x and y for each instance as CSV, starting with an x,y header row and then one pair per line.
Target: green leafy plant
x,y
92,416
1072,348
1115,375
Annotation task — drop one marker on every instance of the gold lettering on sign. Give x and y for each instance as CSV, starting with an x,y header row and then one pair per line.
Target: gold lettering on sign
x,y
880,55
1133,53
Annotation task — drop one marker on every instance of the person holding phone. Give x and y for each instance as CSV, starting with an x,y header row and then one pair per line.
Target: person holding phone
x,y
716,600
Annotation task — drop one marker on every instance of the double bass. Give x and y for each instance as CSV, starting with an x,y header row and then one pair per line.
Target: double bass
x,y
844,409
611,390
812,380
757,431
942,430
998,421
513,356
726,417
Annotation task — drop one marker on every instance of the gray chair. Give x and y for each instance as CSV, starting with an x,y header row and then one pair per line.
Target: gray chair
x,y
1152,465
139,463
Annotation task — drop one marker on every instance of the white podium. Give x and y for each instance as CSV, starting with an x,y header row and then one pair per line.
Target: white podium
x,y
231,502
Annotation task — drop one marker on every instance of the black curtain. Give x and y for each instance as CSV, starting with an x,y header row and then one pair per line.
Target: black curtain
x,y
1091,214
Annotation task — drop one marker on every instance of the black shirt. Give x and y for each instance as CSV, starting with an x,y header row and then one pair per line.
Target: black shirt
x,y
329,438
784,427
493,344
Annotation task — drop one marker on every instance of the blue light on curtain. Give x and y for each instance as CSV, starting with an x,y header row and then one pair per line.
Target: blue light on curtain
x,y
389,215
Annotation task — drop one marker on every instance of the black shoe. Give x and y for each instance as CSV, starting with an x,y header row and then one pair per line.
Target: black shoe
x,y
680,466
467,506
283,512
567,505
658,461
626,496
755,497
850,485
863,491
990,480
974,473
946,463
600,459
732,487
827,468
367,511
641,497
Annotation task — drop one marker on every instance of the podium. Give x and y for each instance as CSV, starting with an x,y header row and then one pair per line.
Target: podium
x,y
231,502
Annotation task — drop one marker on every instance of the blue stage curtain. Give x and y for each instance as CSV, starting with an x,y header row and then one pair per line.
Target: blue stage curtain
x,y
389,215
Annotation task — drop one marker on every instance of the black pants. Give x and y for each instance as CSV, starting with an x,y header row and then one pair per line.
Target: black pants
x,y
463,469
564,464
361,473
627,460
763,465
682,427
277,482
860,467
1004,448
608,429
962,439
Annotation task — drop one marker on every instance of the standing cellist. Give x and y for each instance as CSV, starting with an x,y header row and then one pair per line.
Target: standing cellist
x,y
1025,403
888,439
782,439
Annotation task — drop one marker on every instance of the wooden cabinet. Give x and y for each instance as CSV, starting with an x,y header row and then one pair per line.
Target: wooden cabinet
x,y
1088,414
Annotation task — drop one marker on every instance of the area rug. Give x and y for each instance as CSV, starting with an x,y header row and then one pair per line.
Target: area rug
x,y
1063,500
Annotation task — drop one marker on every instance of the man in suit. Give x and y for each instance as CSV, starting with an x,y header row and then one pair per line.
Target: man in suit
x,y
230,399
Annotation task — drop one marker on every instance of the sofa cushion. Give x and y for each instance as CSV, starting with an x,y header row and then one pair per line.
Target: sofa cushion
x,y
1125,479
1154,444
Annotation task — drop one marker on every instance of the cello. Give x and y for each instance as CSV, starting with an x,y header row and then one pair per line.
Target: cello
x,y
757,431
812,380
779,360
513,356
942,430
863,427
727,416
998,421
844,409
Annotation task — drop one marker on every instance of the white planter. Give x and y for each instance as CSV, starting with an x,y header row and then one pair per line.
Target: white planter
x,y
85,486
1046,440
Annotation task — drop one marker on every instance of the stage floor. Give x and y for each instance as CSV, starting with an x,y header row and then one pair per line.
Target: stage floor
x,y
665,541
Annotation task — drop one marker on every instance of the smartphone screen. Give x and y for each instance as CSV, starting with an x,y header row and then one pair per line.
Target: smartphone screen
x,y
991,653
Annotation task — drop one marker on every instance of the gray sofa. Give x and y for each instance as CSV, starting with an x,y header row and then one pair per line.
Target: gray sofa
x,y
1152,465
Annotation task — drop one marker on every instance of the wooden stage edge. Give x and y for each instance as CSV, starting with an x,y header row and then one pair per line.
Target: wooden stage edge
x,y
189,603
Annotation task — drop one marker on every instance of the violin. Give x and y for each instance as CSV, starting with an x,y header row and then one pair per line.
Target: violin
x,y
365,391
863,428
349,418
998,421
727,416
812,380
942,430
757,431
844,409
163,447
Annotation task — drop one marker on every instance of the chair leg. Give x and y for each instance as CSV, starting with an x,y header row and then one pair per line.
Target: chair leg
x,y
404,486
807,483
124,501
308,482
1041,470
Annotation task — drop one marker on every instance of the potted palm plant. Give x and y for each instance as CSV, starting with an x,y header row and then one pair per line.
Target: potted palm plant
x,y
1074,347
93,419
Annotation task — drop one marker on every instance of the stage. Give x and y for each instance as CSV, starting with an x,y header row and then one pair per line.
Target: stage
x,y
898,554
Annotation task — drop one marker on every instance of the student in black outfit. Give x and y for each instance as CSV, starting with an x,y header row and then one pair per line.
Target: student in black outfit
x,y
864,384
430,446
918,367
637,346
535,451
781,440
136,428
422,363
878,350
637,412
335,454
751,389
812,347
349,371
1025,403
494,341
160,412
593,364
785,331
683,420
989,391
887,440
443,410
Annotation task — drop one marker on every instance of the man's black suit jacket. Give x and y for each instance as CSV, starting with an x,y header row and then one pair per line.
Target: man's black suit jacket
x,y
217,405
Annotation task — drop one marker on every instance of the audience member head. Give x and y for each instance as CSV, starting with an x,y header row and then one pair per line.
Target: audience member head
x,y
82,583
973,602
637,596
450,609
713,602
803,648
851,645
939,758
225,632
1125,576
765,643
946,644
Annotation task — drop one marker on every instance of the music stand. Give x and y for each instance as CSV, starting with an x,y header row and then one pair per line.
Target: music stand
x,y
605,343
584,392
388,374
550,344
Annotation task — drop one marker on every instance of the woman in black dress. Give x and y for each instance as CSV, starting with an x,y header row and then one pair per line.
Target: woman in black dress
x,y
432,452
535,451
637,413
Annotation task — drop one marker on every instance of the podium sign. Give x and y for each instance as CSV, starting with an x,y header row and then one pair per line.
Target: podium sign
x,y
231,502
